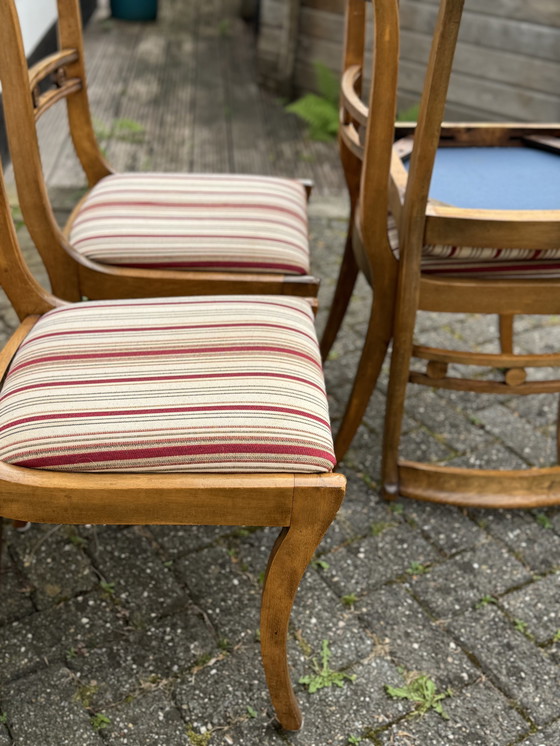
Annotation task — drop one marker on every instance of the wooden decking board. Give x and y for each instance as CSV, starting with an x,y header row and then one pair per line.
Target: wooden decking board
x,y
190,81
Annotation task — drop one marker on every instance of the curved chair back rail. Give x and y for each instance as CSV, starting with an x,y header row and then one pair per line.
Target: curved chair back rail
x,y
27,94
489,246
301,504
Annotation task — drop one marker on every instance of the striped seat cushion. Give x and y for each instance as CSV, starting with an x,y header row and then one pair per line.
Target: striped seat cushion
x,y
212,222
218,384
483,262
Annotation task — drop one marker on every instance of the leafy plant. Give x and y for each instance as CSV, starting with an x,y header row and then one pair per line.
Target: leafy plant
x,y
320,111
350,599
410,114
417,568
324,675
422,691
3,718
100,721
543,520
484,601
251,711
354,740
198,739
319,564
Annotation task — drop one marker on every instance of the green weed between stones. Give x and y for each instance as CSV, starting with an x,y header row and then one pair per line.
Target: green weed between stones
x,y
99,721
354,740
251,711
3,718
319,564
417,568
324,675
422,691
349,600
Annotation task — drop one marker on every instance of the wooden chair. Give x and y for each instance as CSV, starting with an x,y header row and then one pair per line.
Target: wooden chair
x,y
139,235
449,245
170,411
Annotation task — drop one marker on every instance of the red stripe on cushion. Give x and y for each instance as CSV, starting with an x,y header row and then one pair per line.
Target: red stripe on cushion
x,y
169,452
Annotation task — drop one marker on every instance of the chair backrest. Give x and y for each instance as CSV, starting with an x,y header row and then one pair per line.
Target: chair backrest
x,y
27,94
366,140
367,132
24,293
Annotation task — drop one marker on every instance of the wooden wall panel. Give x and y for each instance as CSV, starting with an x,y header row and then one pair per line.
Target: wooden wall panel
x,y
507,64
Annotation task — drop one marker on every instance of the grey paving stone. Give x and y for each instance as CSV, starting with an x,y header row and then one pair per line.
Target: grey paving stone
x,y
140,661
227,594
142,583
5,739
147,720
538,605
54,566
218,694
517,434
332,715
549,736
521,669
539,410
42,711
376,559
492,455
51,635
524,533
320,614
458,584
412,640
446,526
480,717
176,541
16,596
422,445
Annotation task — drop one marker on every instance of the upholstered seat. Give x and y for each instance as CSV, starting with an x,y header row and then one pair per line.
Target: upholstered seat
x,y
217,384
492,178
206,222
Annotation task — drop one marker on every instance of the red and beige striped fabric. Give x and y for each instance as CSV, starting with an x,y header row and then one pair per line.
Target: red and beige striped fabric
x,y
215,384
212,222
470,261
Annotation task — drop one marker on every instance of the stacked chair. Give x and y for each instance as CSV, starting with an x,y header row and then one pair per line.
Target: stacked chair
x,y
139,234
428,237
135,407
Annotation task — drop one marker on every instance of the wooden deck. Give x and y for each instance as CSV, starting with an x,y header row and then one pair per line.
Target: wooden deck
x,y
181,95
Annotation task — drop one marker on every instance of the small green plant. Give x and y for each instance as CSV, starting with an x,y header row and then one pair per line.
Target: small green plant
x,y
349,600
319,564
77,540
556,637
523,627
17,217
410,114
484,601
396,508
3,718
379,527
198,739
108,588
320,111
99,721
543,520
354,740
85,694
422,691
417,568
251,711
324,676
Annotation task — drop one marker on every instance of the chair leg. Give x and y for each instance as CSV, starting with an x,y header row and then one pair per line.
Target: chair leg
x,y
403,337
313,512
373,354
347,276
21,526
506,333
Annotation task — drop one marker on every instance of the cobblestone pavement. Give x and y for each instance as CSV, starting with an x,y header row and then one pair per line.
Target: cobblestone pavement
x,y
148,636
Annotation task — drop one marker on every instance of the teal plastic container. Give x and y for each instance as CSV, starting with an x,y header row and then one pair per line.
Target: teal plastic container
x,y
134,10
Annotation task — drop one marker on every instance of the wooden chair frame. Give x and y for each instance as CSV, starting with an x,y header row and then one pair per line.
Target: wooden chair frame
x,y
301,505
400,288
25,99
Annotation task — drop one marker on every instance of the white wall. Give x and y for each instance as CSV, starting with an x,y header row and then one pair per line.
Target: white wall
x,y
36,17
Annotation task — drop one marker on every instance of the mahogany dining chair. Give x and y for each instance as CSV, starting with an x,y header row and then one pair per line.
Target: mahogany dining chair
x,y
454,218
191,410
142,234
